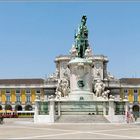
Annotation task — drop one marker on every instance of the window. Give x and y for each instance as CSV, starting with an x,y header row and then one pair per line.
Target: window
x,y
38,91
8,98
18,98
125,90
135,95
17,90
135,91
7,90
28,91
28,98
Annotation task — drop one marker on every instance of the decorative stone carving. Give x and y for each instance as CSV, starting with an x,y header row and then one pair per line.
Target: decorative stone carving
x,y
58,95
51,97
66,73
111,97
65,87
99,88
62,89
88,52
57,73
73,52
58,90
97,72
80,70
105,94
110,77
54,75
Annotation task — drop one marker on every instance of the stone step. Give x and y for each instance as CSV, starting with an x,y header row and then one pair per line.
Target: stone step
x,y
82,119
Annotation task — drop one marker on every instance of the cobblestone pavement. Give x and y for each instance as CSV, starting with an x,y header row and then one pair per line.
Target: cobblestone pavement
x,y
26,129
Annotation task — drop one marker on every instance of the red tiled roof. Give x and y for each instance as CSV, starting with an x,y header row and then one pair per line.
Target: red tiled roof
x,y
21,81
131,81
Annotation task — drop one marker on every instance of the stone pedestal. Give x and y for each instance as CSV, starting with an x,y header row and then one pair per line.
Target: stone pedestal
x,y
131,106
36,113
111,112
126,107
45,118
80,79
52,111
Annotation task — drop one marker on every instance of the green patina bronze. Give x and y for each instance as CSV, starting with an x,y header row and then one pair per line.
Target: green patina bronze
x,y
81,83
81,38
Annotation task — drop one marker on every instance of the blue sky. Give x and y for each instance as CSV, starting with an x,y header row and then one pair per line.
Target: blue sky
x,y
33,33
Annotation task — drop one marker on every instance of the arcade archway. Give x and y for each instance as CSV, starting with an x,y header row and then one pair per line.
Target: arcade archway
x,y
28,108
18,108
136,110
8,107
0,107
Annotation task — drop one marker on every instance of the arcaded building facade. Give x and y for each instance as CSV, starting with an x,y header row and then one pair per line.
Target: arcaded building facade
x,y
20,94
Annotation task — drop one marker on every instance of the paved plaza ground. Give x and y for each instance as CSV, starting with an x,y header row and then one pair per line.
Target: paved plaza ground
x,y
26,129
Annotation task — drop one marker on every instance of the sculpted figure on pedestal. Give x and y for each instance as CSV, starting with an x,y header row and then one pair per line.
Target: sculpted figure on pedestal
x,y
88,52
51,97
58,90
65,87
73,51
99,88
81,38
62,89
105,94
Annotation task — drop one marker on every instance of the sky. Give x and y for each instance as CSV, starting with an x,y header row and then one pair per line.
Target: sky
x,y
32,34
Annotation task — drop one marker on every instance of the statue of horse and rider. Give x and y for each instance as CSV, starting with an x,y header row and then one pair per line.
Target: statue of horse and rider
x,y
81,38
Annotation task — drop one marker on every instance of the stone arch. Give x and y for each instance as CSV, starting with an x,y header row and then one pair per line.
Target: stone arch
x,y
18,107
8,107
136,110
28,107
0,107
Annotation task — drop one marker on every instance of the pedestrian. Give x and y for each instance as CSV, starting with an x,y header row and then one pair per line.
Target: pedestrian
x,y
1,119
135,117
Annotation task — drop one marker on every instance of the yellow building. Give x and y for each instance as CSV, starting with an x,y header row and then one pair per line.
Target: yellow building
x,y
20,94
130,88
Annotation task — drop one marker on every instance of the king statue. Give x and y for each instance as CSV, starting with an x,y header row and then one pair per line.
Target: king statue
x,y
81,38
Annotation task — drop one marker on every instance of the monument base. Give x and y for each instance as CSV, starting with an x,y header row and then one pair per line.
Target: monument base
x,y
81,96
